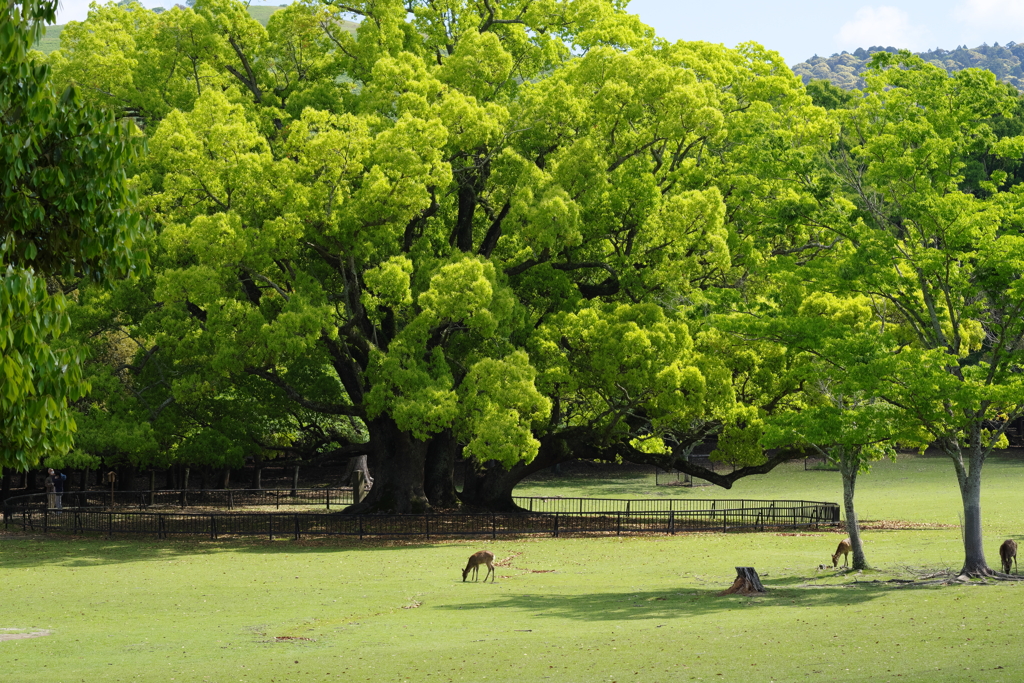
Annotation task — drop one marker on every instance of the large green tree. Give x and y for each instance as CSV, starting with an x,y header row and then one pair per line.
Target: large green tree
x,y
938,258
66,213
496,230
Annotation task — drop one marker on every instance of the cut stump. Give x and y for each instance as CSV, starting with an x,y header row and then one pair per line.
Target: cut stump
x,y
747,582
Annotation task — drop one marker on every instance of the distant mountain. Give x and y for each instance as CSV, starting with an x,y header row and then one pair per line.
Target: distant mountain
x,y
845,69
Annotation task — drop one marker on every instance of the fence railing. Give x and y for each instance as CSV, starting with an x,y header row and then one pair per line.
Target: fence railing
x,y
184,498
584,506
301,524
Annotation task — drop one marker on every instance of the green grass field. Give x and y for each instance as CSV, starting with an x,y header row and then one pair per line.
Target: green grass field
x,y
579,609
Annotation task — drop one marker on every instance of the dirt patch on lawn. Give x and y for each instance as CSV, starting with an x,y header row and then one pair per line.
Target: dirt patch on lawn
x,y
20,634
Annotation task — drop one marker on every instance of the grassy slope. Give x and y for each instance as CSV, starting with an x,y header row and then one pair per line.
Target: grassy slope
x,y
631,609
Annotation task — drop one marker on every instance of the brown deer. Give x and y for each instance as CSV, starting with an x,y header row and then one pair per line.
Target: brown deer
x,y
844,550
477,559
1008,554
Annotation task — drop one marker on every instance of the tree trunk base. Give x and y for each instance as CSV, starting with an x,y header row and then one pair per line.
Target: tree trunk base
x,y
747,583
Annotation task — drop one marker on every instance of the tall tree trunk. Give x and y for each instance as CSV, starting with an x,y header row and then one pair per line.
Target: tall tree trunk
x,y
170,480
397,460
295,478
442,450
849,466
85,480
969,478
225,481
30,481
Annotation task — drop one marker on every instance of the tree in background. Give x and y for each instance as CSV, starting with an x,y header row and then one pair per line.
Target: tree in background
x,y
831,335
941,267
66,214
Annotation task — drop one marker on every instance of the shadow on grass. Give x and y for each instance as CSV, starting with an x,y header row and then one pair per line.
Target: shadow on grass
x,y
668,604
21,551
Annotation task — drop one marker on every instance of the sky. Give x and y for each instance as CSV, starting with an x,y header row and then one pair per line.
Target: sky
x,y
799,29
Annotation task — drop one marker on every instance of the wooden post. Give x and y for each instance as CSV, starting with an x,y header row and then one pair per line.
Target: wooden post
x,y
358,486
747,582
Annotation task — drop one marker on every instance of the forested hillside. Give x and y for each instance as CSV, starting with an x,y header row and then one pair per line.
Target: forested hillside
x,y
846,70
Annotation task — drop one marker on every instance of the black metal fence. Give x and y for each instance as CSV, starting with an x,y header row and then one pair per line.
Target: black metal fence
x,y
188,498
710,507
299,524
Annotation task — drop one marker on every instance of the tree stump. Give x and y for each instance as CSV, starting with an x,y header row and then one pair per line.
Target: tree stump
x,y
747,582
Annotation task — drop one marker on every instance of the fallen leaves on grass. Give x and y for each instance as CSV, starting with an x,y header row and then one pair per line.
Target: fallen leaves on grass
x,y
287,638
413,605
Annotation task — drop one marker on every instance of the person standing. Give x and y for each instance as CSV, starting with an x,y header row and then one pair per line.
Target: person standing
x,y
58,486
51,490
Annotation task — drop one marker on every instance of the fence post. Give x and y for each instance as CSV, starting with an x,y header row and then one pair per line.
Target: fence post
x,y
328,497
427,518
110,525
618,523
298,531
231,500
360,527
270,520
556,525
672,522
213,527
46,520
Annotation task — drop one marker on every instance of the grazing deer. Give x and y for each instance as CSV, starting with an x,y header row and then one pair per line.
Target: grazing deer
x,y
844,550
1008,554
477,559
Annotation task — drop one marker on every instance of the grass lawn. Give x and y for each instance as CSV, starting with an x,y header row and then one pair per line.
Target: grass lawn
x,y
578,609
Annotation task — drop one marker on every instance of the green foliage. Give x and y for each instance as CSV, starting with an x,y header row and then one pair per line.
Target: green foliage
x,y
67,212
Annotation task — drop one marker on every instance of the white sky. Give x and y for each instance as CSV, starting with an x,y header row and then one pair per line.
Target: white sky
x,y
801,28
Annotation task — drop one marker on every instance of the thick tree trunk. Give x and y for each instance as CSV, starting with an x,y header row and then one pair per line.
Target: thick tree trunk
x,y
85,480
440,470
489,486
225,481
295,478
969,478
848,467
397,460
30,481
